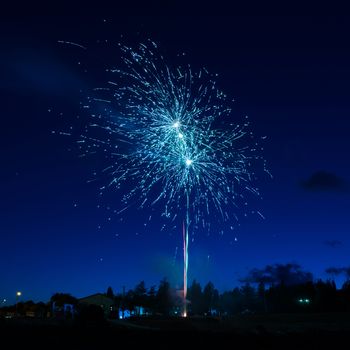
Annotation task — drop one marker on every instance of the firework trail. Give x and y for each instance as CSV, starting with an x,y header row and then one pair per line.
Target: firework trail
x,y
168,131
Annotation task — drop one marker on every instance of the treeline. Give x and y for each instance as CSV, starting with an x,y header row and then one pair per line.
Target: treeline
x,y
278,288
319,296
274,289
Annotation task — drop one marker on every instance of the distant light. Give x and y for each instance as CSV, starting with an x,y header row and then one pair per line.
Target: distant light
x,y
19,294
188,162
176,125
181,136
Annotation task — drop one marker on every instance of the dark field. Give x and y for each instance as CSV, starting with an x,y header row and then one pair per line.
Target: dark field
x,y
297,331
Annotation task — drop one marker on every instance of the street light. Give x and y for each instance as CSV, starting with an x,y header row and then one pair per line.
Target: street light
x,y
18,294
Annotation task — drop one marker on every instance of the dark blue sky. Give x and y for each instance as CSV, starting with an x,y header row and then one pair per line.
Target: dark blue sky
x,y
290,75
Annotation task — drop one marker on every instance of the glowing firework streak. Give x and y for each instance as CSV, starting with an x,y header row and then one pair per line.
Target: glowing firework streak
x,y
168,132
185,242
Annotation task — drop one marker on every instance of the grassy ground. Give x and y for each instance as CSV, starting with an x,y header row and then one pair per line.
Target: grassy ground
x,y
245,323
298,331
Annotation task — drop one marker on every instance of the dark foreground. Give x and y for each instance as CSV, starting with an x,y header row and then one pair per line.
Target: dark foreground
x,y
314,331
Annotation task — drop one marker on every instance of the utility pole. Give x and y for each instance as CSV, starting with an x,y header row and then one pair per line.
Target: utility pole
x,y
123,302
18,294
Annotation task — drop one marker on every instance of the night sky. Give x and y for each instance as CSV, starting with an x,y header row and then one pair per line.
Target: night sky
x,y
290,75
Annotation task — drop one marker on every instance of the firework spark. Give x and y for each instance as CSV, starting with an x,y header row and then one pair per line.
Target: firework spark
x,y
162,131
169,132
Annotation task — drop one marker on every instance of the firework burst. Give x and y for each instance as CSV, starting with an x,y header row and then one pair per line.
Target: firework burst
x,y
168,131
162,131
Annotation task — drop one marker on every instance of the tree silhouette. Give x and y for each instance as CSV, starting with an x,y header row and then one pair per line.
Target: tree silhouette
x,y
248,297
140,294
194,294
151,298
164,302
63,298
210,298
261,294
110,293
287,274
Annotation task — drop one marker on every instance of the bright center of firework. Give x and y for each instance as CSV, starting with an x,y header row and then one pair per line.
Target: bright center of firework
x,y
188,162
176,125
181,136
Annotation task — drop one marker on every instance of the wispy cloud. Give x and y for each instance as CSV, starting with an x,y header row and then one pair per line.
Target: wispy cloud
x,y
324,181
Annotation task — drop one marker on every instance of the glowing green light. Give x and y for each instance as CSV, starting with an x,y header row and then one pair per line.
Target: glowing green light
x,y
304,301
188,162
181,136
176,125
